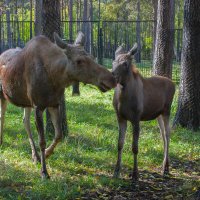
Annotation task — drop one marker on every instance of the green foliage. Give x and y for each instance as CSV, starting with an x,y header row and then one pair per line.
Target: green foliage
x,y
82,165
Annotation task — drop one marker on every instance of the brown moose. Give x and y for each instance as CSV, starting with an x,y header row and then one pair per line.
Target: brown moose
x,y
36,77
140,99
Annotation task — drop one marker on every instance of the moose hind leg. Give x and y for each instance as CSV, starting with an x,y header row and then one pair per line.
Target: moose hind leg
x,y
166,139
55,117
122,132
3,105
42,142
27,125
136,131
161,126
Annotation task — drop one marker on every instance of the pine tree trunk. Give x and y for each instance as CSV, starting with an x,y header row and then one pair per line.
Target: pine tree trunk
x,y
70,8
155,8
38,17
188,113
9,35
51,23
138,33
164,38
75,86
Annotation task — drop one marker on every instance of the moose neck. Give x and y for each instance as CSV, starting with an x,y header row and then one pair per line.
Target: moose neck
x,y
133,85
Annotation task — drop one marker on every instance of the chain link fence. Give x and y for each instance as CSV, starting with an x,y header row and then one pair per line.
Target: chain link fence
x,y
20,20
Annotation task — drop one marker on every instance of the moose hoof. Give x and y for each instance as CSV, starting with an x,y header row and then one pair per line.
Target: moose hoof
x,y
165,173
45,176
135,176
36,158
116,174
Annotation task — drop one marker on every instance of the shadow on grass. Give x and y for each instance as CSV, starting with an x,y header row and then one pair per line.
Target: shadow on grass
x,y
93,114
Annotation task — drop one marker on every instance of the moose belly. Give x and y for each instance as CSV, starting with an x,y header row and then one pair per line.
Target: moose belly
x,y
16,94
150,116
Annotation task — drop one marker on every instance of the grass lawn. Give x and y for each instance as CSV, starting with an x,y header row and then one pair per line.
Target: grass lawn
x,y
82,165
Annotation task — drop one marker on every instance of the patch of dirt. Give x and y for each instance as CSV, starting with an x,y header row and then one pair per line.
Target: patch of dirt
x,y
183,184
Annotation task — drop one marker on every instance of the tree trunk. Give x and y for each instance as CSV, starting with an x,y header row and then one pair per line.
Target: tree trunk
x,y
51,23
178,49
9,35
75,86
155,8
188,113
138,31
38,17
164,39
70,8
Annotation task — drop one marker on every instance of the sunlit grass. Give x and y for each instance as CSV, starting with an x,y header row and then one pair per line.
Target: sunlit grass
x,y
85,160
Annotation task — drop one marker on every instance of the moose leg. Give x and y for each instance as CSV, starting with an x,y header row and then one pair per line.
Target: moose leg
x,y
27,125
166,138
122,132
3,105
55,117
136,130
42,142
161,126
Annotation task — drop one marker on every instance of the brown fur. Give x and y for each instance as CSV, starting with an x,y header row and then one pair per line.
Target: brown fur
x,y
140,99
36,76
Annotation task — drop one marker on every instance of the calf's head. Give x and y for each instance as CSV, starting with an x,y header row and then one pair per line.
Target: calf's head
x,y
122,65
82,66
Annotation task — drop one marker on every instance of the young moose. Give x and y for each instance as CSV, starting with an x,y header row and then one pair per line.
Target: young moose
x,y
140,99
37,76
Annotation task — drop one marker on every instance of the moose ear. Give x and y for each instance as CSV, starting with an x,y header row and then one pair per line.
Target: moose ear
x,y
120,50
59,41
133,50
80,39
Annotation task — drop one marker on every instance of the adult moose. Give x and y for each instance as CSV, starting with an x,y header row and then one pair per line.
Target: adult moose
x,y
140,99
37,76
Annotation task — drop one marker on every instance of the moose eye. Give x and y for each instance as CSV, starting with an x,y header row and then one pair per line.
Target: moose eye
x,y
79,61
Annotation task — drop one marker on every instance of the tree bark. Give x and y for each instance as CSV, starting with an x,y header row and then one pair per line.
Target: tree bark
x,y
51,23
9,35
164,38
138,31
75,86
155,8
70,8
38,17
188,112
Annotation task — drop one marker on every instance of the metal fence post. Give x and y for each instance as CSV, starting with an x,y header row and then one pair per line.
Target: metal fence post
x,y
100,45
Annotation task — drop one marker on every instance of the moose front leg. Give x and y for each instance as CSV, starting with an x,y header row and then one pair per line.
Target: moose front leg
x,y
3,105
27,125
42,142
122,131
55,117
136,131
166,139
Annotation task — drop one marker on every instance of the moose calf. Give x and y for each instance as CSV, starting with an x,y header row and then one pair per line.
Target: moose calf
x,y
140,99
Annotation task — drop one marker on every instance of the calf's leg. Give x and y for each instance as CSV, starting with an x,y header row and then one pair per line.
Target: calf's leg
x,y
136,131
161,126
122,131
27,125
42,142
166,138
55,117
3,105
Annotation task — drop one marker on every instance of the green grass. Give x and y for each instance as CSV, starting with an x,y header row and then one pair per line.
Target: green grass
x,y
82,165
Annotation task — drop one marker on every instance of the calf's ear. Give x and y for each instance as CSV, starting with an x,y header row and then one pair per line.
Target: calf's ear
x,y
133,50
119,50
80,39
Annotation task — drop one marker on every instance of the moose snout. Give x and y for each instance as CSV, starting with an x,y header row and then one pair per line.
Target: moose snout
x,y
107,83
